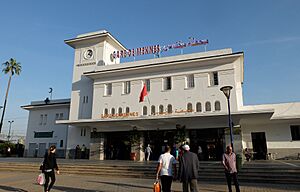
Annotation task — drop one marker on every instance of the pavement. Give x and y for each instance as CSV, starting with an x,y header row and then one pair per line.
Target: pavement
x,y
26,182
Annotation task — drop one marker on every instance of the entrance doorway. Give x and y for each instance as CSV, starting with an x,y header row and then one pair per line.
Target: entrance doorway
x,y
259,145
42,149
117,146
211,142
158,140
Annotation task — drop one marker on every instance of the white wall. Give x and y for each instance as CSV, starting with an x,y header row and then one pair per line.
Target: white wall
x,y
178,96
60,130
278,134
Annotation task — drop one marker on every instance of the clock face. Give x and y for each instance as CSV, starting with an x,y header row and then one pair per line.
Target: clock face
x,y
88,54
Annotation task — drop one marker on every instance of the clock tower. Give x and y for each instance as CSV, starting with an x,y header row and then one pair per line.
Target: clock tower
x,y
92,52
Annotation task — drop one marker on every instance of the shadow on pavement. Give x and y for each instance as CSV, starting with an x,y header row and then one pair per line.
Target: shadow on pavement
x,y
12,189
122,184
72,189
277,186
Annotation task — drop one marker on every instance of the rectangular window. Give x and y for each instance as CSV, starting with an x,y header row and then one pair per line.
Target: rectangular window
x,y
83,132
43,134
108,89
45,119
167,83
190,81
147,81
61,144
56,116
214,79
41,119
295,132
61,116
126,87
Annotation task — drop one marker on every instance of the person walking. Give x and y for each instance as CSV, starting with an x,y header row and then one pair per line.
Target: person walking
x,y
188,170
83,151
199,153
77,152
148,152
164,169
247,154
49,164
229,163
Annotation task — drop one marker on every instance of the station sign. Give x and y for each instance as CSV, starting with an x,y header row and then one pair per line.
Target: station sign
x,y
157,49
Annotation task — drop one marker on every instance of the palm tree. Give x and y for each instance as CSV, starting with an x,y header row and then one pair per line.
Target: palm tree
x,y
12,67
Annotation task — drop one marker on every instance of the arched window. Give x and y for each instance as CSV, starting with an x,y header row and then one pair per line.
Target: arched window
x,y
120,110
145,110
198,107
161,109
127,110
170,108
207,106
217,106
189,107
105,111
113,111
152,110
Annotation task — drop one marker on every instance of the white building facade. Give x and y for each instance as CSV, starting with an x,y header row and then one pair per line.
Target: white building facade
x,y
42,130
183,98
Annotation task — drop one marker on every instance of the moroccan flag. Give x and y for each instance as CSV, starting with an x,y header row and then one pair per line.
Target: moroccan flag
x,y
143,93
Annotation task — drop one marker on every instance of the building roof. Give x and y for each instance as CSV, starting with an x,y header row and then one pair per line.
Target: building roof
x,y
47,103
93,36
281,110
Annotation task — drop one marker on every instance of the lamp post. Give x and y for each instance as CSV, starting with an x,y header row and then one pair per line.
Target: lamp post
x,y
1,107
226,90
10,122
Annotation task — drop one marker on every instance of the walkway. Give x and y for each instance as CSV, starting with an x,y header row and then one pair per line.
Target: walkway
x,y
25,182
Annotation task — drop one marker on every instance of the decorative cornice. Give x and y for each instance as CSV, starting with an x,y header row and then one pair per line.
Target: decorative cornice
x,y
86,64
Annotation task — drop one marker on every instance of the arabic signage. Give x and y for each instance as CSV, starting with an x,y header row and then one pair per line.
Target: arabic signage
x,y
156,49
118,115
136,114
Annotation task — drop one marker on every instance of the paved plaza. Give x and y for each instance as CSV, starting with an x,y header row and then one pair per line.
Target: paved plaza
x,y
25,182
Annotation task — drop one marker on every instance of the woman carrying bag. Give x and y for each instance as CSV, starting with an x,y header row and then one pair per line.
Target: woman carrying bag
x,y
49,164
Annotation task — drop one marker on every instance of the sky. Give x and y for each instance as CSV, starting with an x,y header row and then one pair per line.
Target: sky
x,y
33,32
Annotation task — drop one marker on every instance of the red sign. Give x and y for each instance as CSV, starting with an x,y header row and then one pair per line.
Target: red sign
x,y
156,49
136,52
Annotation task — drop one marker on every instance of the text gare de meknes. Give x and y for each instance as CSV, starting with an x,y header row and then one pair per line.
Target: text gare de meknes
x,y
136,52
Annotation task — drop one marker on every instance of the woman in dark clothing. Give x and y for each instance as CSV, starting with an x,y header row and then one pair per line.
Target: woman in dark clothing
x,y
49,164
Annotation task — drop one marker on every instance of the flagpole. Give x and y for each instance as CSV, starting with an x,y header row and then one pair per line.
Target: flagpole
x,y
148,100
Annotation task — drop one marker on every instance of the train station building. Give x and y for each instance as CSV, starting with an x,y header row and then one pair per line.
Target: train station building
x,y
117,108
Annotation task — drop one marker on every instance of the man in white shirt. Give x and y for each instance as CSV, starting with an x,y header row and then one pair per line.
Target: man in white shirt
x,y
166,162
148,152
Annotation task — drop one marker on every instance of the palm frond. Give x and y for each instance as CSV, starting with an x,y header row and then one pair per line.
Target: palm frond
x,y
12,66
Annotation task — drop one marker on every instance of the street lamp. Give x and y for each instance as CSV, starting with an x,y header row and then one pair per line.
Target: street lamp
x,y
226,90
10,122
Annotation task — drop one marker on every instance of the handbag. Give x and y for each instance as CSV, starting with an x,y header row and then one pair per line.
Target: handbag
x,y
41,179
156,186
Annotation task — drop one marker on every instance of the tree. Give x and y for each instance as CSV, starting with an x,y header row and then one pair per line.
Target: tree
x,y
11,67
180,134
